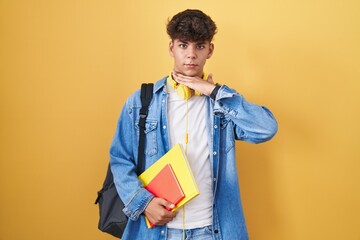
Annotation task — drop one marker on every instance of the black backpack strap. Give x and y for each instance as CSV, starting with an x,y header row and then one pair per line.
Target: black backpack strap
x,y
146,96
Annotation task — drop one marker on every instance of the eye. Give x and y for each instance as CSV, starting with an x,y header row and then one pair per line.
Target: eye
x,y
201,46
182,45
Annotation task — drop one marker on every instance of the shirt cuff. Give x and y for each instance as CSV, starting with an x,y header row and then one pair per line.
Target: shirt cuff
x,y
138,204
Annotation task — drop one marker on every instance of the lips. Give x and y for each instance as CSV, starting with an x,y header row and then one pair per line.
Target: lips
x,y
190,65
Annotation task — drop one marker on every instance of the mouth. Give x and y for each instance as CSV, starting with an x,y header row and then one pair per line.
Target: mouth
x,y
190,65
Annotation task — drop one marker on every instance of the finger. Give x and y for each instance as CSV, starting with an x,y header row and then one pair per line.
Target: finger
x,y
179,77
184,78
164,216
166,204
157,213
210,78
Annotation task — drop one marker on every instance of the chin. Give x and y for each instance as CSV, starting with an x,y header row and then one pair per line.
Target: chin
x,y
190,73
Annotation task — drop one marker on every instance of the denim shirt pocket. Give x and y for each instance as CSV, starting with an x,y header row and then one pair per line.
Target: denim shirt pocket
x,y
150,136
227,138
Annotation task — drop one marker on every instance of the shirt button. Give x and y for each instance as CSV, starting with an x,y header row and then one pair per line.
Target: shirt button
x,y
164,127
215,126
214,153
162,232
214,179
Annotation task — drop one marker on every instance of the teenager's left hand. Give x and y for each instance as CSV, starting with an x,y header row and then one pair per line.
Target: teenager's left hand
x,y
196,83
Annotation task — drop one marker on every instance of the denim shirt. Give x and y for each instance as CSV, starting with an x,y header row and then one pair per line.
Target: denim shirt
x,y
230,117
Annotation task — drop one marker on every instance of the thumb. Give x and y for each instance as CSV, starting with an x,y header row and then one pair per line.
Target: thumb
x,y
167,204
209,79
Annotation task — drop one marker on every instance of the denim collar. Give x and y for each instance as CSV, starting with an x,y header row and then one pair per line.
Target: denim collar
x,y
160,84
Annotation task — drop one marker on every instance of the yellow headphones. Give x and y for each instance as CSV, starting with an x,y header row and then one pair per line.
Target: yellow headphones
x,y
183,91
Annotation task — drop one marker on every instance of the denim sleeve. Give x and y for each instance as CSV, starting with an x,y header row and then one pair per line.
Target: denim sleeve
x,y
123,166
252,123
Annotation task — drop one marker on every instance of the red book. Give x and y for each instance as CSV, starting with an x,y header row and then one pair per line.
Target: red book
x,y
165,185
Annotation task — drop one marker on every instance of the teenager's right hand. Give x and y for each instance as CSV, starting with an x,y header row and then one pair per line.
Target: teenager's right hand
x,y
156,212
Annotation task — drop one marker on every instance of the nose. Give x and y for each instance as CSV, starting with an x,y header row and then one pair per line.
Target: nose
x,y
191,53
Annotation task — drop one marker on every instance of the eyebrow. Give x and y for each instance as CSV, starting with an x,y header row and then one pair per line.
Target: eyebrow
x,y
187,42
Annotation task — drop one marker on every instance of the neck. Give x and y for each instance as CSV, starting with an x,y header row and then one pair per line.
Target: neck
x,y
201,75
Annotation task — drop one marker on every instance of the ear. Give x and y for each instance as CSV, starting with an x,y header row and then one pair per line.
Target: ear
x,y
171,45
211,50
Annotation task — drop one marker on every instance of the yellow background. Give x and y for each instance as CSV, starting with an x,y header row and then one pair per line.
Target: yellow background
x,y
66,68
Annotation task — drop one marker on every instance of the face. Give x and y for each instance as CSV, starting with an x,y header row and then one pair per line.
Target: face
x,y
190,57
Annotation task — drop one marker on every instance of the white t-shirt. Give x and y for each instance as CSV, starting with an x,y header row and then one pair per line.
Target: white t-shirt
x,y
198,212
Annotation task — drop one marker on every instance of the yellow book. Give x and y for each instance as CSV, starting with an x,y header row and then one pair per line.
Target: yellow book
x,y
181,167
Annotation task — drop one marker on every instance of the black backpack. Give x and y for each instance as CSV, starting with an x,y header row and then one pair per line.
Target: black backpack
x,y
112,219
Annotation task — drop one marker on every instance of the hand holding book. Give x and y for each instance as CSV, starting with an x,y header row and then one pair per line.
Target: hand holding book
x,y
166,186
157,212
170,178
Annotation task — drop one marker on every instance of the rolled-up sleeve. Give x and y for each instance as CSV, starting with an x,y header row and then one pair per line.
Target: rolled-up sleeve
x,y
253,123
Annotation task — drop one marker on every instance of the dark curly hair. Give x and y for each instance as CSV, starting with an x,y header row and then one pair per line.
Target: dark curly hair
x,y
191,25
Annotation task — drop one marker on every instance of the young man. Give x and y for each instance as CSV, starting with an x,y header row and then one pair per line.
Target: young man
x,y
206,119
